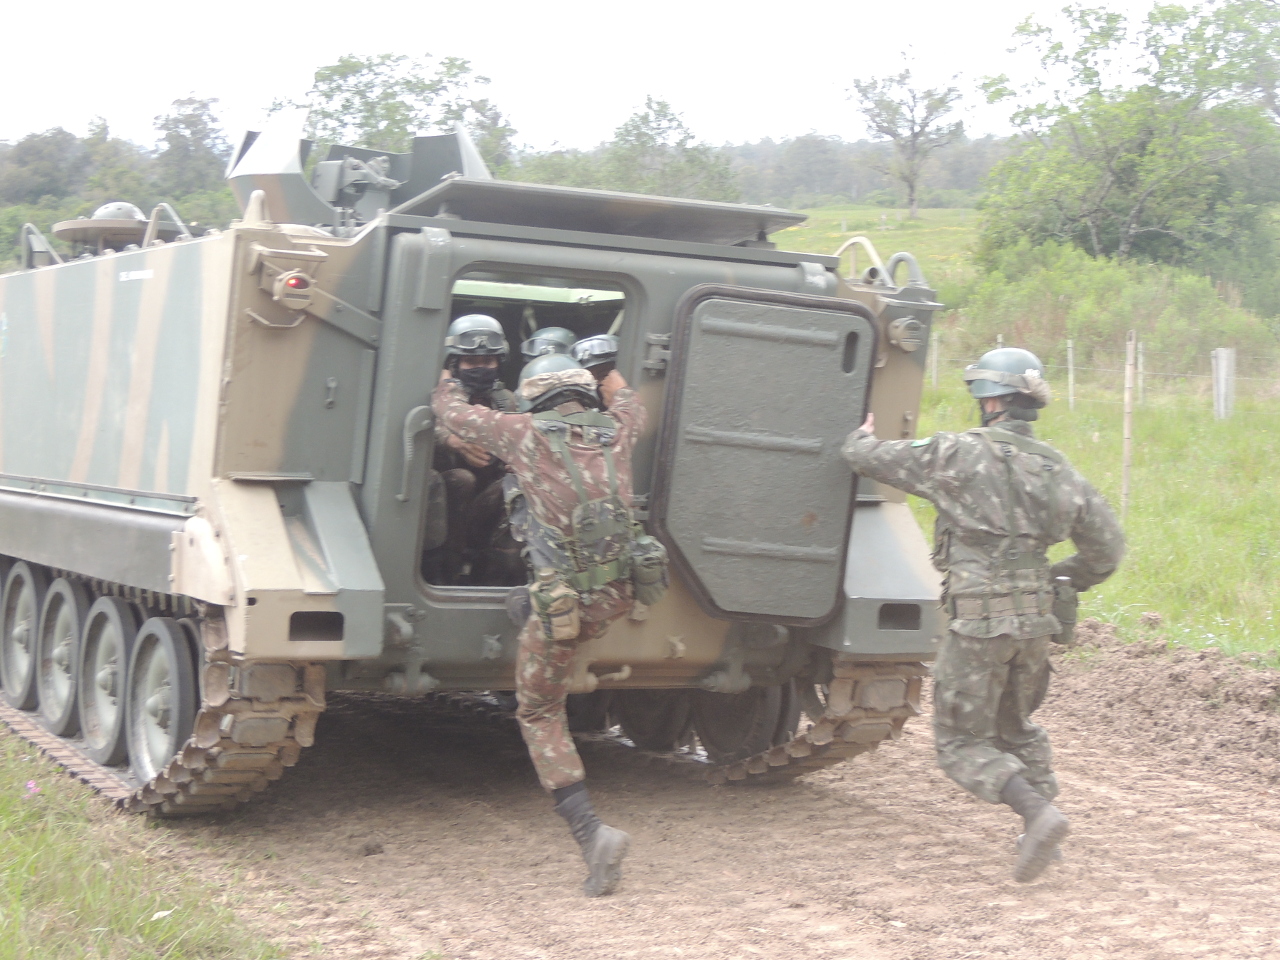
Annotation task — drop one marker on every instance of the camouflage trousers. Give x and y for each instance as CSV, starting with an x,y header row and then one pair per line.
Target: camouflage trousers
x,y
985,691
543,668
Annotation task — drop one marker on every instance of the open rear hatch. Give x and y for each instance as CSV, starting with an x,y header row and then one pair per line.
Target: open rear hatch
x,y
752,497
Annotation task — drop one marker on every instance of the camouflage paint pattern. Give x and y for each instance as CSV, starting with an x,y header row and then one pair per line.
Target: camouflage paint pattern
x,y
543,673
1000,506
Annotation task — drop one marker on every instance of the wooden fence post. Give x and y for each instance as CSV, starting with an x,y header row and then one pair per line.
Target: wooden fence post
x,y
1071,374
933,356
1223,361
1130,362
999,340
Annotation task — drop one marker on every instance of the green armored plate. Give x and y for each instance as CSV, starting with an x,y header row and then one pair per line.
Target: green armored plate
x,y
752,495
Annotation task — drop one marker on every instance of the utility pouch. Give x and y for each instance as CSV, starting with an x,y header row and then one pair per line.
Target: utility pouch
x,y
1066,601
649,577
556,604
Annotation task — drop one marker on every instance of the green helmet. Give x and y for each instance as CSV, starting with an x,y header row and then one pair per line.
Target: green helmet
x,y
1008,370
552,379
475,335
548,340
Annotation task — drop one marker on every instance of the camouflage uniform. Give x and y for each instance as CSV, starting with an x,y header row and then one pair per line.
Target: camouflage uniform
x,y
543,666
474,499
1002,498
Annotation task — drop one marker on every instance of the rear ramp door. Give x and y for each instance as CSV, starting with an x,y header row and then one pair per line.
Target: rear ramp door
x,y
752,497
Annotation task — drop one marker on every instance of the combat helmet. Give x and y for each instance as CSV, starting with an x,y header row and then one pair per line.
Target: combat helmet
x,y
548,340
552,379
475,335
1012,372
597,350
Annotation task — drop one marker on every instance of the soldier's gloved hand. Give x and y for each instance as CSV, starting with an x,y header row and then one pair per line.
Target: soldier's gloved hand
x,y
610,385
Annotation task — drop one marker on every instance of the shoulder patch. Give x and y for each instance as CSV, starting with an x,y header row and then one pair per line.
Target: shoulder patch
x,y
921,443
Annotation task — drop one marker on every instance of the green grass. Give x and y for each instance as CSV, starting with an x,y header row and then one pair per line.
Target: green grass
x,y
941,240
78,880
1203,524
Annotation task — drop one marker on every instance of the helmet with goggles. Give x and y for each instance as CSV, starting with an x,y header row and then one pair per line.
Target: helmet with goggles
x,y
475,335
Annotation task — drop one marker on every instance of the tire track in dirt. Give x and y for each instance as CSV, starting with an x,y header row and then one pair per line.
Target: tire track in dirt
x,y
1175,850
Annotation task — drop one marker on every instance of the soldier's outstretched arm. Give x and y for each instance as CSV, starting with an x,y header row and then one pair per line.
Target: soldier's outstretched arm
x,y
624,406
1099,542
497,432
910,465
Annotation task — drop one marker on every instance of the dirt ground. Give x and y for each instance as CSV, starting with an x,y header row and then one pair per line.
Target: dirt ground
x,y
407,837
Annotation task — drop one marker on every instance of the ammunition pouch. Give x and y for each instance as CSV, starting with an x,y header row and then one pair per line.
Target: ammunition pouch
x,y
649,576
556,605
1066,604
1020,603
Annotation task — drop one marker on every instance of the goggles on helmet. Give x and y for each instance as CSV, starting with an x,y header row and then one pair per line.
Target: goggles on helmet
x,y
478,341
594,351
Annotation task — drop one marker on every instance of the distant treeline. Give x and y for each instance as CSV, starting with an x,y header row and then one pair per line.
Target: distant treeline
x,y
55,175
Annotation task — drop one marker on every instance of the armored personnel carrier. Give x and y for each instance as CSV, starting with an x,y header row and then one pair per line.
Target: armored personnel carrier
x,y
217,490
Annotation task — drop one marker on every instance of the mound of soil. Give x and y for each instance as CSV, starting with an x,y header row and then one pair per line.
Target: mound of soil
x,y
404,835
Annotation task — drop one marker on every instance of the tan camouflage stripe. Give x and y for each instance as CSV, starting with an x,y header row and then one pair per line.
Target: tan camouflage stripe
x,y
96,374
142,368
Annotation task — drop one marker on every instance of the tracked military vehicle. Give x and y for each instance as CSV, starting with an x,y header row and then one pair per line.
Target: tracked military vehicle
x,y
217,486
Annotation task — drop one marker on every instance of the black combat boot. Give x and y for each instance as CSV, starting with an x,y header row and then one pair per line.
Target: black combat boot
x,y
603,846
1045,827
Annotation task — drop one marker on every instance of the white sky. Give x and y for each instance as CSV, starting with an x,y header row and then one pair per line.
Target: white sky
x,y
563,71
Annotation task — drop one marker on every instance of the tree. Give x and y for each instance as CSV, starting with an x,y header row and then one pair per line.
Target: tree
x,y
654,152
49,164
1177,166
912,120
383,102
194,152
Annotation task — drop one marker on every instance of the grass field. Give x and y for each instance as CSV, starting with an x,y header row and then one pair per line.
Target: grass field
x,y
81,882
941,240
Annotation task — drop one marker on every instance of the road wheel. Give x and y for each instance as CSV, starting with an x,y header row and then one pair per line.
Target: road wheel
x,y
106,643
61,620
24,592
162,696
656,720
734,726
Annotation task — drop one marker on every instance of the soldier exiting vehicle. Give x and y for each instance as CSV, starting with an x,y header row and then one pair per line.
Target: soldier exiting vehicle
x,y
573,464
1003,498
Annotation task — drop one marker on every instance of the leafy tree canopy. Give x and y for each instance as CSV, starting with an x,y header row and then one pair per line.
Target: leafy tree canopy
x,y
912,120
382,102
1178,164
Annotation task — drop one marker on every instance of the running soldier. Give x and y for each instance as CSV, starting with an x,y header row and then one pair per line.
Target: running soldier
x,y
1003,498
573,465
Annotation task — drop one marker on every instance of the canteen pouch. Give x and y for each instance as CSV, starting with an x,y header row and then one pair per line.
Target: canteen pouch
x,y
1066,601
556,604
649,578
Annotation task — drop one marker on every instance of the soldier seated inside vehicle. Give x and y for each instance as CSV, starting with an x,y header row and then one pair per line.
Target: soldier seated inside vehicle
x,y
492,311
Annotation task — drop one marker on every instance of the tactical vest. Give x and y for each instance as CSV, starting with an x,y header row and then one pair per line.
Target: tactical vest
x,y
951,545
597,548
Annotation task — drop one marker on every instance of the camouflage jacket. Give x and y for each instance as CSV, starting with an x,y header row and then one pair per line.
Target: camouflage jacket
x,y
499,399
528,452
1001,504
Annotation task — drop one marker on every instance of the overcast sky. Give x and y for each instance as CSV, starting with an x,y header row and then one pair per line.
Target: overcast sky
x,y
564,71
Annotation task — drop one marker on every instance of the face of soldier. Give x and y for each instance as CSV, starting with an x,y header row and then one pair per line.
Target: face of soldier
x,y
477,373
